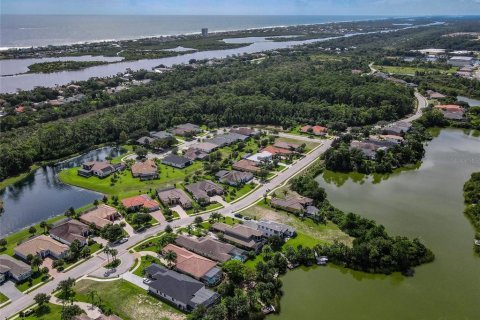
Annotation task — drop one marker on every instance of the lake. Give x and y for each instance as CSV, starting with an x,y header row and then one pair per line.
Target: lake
x,y
426,203
42,195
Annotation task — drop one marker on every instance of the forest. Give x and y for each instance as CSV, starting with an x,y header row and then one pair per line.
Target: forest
x,y
56,66
471,192
285,90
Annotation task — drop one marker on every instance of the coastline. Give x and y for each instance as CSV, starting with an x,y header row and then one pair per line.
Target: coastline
x,y
193,33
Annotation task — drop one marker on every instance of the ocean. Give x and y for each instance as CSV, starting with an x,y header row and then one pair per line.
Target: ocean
x,y
43,30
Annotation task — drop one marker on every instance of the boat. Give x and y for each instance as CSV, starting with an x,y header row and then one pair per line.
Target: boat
x,y
321,260
476,242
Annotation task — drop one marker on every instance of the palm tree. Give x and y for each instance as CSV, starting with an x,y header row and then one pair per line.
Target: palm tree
x,y
107,252
44,225
36,262
92,294
114,253
189,229
171,258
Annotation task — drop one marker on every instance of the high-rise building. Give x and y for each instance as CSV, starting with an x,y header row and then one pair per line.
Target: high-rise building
x,y
205,32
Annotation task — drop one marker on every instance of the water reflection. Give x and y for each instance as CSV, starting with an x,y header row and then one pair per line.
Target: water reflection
x,y
42,195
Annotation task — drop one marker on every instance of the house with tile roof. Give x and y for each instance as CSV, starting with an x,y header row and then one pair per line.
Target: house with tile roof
x,y
172,197
211,248
141,201
100,169
42,246
234,177
240,235
315,130
194,265
69,231
246,165
204,190
145,170
296,205
100,216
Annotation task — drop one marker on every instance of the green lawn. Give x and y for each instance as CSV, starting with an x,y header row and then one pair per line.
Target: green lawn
x,y
127,185
412,70
246,188
211,206
145,262
327,233
309,145
22,235
3,298
36,278
150,245
54,312
127,300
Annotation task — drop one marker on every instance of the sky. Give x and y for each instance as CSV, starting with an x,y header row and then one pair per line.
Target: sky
x,y
243,7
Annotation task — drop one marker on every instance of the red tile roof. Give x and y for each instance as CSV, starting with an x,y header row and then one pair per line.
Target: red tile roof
x,y
274,150
450,107
141,200
317,130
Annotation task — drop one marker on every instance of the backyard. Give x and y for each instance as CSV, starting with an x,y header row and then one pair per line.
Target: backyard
x,y
128,300
126,185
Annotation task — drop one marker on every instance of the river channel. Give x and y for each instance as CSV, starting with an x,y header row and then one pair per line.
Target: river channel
x,y
42,195
256,44
427,203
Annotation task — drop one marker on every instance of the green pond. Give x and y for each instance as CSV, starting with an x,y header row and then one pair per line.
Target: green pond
x,y
424,202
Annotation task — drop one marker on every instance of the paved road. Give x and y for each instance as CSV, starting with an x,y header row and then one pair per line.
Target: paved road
x,y
94,265
422,103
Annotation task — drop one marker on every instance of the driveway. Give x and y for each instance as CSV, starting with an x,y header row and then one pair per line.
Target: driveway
x,y
9,290
136,280
220,200
158,215
48,262
180,211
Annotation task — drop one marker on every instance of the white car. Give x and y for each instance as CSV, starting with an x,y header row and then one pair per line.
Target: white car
x,y
123,240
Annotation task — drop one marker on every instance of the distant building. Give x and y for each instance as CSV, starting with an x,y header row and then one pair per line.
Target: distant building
x,y
286,145
11,268
460,61
186,129
398,128
204,32
195,154
245,131
206,147
261,157
277,151
179,290
295,204
315,130
271,228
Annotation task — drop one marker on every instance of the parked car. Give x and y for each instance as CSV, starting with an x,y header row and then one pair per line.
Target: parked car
x,y
146,280
123,240
247,218
238,215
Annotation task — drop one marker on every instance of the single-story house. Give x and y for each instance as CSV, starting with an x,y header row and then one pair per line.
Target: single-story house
x,y
196,266
140,201
68,231
271,228
186,129
286,145
100,169
173,197
227,139
277,151
42,246
206,147
397,128
176,161
204,190
315,130
145,141
211,248
11,268
234,177
294,204
246,166
435,95
100,216
145,170
195,154
450,107
261,157
240,235
245,131
178,289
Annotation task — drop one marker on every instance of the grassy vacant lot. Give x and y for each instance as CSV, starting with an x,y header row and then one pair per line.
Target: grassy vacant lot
x,y
145,262
128,300
127,185
412,70
54,312
3,298
309,145
246,188
309,230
